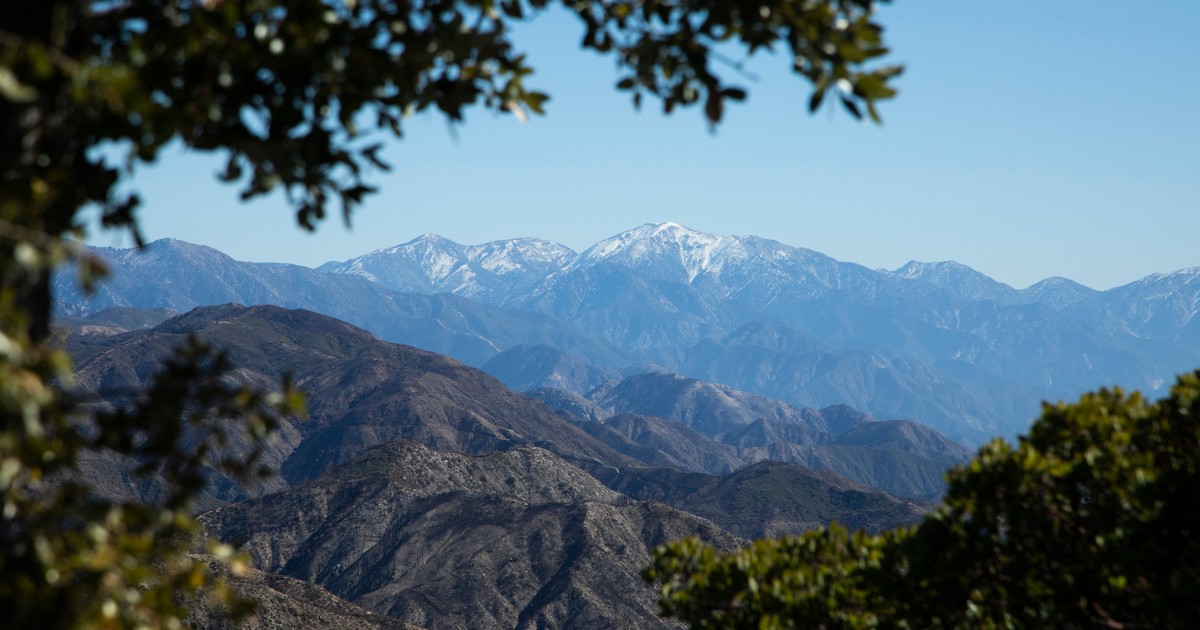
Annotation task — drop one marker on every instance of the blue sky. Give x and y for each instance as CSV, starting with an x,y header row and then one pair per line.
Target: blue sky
x,y
1030,139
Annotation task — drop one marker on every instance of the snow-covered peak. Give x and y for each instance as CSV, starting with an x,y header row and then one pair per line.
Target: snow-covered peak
x,y
1057,292
1181,276
519,254
1058,283
166,249
917,270
1160,286
958,278
432,263
425,243
669,248
660,232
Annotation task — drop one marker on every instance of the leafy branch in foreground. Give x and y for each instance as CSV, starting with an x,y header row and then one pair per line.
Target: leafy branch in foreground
x,y
71,558
1092,520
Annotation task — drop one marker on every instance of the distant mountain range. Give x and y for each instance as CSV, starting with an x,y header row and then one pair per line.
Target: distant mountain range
x,y
676,383
938,343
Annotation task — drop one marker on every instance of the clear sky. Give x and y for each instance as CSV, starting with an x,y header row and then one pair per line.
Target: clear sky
x,y
1030,139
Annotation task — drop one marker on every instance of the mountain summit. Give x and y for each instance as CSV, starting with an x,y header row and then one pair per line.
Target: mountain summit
x,y
433,264
666,250
960,279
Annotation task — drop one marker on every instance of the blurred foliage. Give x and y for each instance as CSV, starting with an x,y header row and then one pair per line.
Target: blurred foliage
x,y
89,89
1092,520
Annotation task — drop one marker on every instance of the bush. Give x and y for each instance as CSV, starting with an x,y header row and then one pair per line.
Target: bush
x,y
1092,520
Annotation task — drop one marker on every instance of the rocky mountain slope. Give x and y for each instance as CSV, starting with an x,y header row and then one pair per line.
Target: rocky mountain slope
x,y
424,490
362,391
517,539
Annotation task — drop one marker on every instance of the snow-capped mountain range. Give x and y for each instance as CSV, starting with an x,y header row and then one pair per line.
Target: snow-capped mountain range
x,y
504,270
660,251
432,264
936,342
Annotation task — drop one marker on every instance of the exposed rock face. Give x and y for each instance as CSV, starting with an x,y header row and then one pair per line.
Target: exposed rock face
x,y
519,539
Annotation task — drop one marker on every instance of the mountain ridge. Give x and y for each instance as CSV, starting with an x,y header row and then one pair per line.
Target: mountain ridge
x,y
935,342
662,285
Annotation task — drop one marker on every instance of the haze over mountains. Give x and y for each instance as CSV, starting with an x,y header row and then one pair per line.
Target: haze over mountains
x,y
933,342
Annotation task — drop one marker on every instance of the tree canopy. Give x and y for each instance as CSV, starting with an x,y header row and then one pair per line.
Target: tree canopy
x,y
289,93
1092,520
